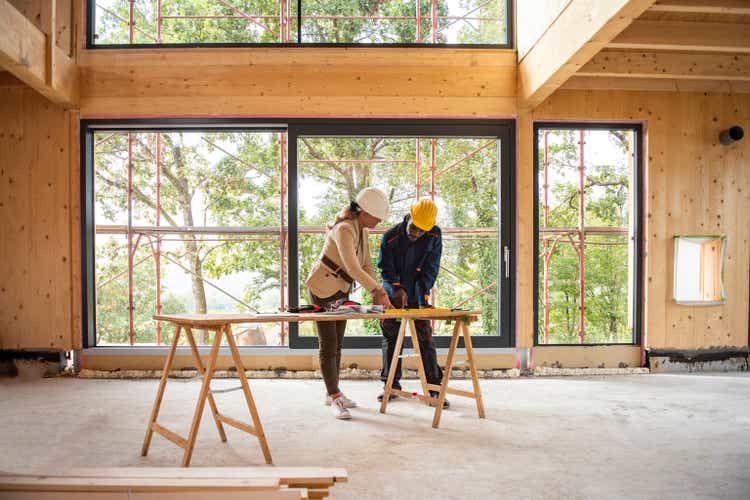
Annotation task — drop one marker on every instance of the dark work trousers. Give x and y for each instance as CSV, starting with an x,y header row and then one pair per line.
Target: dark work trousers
x,y
432,370
330,337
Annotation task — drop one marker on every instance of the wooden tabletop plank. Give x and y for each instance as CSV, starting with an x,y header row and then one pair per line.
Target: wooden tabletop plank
x,y
223,319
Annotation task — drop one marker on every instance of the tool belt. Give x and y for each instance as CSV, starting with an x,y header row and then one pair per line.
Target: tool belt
x,y
336,269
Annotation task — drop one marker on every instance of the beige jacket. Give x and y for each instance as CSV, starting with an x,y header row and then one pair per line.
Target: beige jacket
x,y
347,245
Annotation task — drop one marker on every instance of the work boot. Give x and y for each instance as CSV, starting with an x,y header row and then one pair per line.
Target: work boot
x,y
391,397
435,395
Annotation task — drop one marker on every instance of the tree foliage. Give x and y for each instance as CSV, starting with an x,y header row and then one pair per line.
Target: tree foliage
x,y
324,21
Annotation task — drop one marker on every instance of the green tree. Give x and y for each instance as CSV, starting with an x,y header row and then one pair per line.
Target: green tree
x,y
257,21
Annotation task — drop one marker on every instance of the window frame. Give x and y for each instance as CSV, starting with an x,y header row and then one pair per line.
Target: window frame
x,y
638,174
91,26
504,130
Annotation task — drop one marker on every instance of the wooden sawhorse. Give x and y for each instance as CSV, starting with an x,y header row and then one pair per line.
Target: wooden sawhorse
x,y
185,323
461,326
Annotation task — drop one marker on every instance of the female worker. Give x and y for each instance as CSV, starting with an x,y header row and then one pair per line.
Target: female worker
x,y
345,259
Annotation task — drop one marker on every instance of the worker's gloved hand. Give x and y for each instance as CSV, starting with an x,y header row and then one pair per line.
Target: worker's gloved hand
x,y
400,300
380,298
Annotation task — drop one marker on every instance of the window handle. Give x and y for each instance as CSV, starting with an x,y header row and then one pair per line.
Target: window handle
x,y
506,258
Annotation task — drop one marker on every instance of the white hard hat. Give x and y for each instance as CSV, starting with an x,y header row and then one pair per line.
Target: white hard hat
x,y
373,201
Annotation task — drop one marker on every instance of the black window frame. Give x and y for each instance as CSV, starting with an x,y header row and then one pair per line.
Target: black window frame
x,y
638,176
503,130
91,25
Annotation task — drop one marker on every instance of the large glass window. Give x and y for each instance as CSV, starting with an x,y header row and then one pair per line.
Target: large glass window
x,y
459,174
187,222
208,219
153,22
587,219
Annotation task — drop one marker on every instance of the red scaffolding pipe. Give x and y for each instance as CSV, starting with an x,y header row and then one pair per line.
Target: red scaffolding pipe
x,y
418,17
433,20
282,232
157,257
131,307
466,157
546,253
418,169
158,21
131,22
582,244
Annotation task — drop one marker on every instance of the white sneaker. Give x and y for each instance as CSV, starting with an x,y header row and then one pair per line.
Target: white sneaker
x,y
339,410
348,403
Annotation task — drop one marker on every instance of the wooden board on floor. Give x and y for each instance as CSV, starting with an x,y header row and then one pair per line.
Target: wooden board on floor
x,y
114,484
281,494
286,475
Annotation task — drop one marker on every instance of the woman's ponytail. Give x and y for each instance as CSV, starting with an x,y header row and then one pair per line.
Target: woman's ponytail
x,y
349,212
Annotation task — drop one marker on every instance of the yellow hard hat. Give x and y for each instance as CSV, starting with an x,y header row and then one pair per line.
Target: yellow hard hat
x,y
424,213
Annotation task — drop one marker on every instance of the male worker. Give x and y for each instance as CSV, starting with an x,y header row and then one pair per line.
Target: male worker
x,y
409,260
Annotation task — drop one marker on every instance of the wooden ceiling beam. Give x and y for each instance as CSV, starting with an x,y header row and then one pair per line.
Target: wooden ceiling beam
x,y
26,53
684,36
581,30
657,85
668,65
730,7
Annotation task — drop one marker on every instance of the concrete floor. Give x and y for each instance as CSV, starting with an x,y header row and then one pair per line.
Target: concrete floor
x,y
643,436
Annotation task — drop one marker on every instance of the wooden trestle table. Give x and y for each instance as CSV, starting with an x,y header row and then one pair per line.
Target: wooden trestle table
x,y
221,324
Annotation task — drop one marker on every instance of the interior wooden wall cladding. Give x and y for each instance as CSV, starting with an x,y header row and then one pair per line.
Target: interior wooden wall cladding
x,y
39,223
694,185
358,82
32,10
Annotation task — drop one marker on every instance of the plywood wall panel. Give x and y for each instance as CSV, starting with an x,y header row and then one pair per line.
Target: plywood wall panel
x,y
694,185
36,161
299,82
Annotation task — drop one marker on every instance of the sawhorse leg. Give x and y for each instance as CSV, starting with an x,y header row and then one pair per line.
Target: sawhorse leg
x,y
257,425
160,392
425,396
446,375
202,372
473,369
463,328
205,388
394,365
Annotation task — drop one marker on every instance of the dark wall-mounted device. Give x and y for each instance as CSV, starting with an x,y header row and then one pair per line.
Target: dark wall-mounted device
x,y
730,135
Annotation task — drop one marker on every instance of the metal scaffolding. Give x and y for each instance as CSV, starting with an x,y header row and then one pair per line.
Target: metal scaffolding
x,y
576,236
158,234
286,19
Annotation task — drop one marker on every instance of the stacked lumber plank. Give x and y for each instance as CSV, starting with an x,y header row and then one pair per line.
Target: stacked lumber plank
x,y
172,483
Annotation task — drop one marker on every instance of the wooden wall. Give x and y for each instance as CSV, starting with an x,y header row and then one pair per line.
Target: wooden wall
x,y
39,223
299,82
694,185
